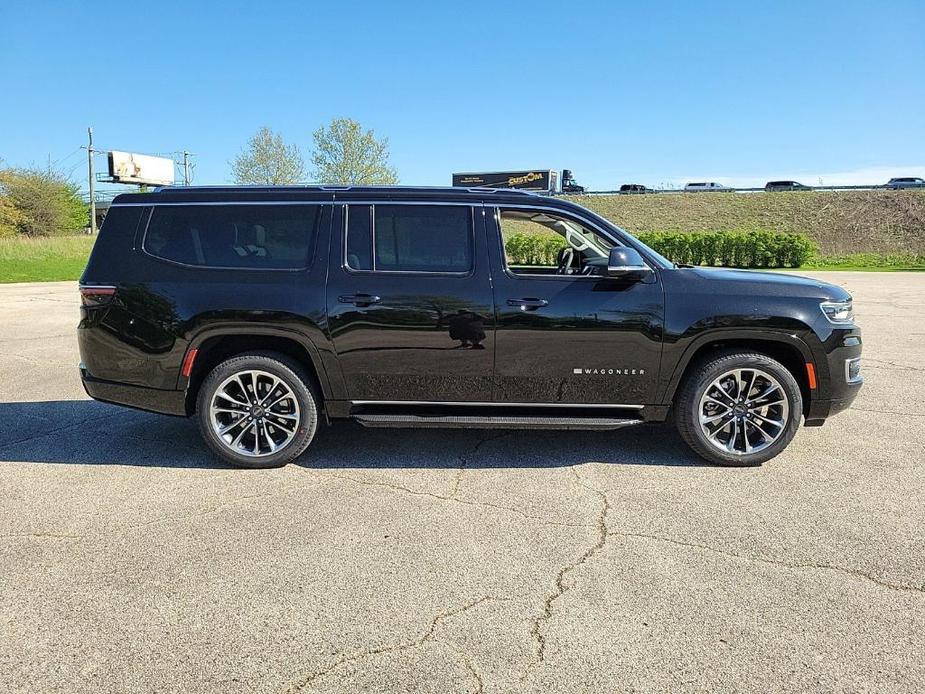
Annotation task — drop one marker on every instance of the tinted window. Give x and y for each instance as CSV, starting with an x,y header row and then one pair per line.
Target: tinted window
x,y
410,238
245,236
359,237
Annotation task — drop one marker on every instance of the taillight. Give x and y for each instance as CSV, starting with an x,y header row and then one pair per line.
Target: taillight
x,y
95,295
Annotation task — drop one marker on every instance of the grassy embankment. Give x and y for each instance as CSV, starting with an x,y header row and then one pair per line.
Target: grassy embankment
x,y
854,230
862,230
43,259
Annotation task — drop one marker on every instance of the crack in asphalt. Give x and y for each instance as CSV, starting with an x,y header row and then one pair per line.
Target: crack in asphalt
x,y
441,497
428,636
464,460
54,536
64,427
536,630
163,520
876,411
854,573
891,365
479,682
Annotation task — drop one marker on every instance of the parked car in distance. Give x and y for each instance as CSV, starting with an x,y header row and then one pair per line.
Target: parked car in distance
x,y
629,188
266,312
705,187
777,186
906,182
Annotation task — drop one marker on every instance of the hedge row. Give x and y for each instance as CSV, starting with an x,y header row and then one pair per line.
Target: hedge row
x,y
718,248
732,248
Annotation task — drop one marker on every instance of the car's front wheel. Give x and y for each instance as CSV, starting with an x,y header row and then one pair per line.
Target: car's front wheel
x,y
739,409
257,410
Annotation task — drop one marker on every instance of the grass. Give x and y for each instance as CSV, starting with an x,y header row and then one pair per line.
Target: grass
x,y
882,262
841,223
43,259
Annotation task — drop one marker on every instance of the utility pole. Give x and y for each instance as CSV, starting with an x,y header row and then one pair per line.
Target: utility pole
x,y
90,180
185,168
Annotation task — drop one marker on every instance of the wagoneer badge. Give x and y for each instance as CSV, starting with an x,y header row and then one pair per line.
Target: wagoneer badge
x,y
609,372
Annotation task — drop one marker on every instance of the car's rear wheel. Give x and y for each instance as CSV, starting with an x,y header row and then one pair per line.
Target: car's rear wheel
x,y
257,410
739,409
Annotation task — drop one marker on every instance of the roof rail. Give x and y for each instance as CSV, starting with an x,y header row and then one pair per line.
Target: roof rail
x,y
334,188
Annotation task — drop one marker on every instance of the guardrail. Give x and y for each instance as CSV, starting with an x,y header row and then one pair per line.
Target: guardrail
x,y
666,191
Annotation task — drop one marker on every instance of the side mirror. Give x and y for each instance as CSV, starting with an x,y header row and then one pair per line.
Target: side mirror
x,y
626,263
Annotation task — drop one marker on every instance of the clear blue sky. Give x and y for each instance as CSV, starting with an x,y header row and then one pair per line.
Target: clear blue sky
x,y
617,91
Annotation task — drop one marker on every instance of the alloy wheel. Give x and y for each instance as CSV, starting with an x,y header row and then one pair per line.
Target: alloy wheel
x,y
255,413
743,411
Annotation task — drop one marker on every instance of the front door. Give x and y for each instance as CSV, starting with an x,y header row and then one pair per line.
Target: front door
x,y
567,333
409,302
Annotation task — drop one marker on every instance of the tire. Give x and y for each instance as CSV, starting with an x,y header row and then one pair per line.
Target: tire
x,y
719,427
275,426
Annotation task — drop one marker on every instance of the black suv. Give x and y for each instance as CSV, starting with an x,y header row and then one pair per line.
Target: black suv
x,y
778,186
264,311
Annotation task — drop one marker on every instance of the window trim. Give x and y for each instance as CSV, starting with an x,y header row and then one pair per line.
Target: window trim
x,y
372,221
309,256
556,277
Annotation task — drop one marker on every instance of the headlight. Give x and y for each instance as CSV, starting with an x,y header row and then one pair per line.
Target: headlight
x,y
838,311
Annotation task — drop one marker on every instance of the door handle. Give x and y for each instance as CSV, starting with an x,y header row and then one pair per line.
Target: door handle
x,y
528,304
359,299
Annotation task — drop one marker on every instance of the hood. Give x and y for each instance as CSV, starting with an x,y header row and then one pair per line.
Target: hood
x,y
753,282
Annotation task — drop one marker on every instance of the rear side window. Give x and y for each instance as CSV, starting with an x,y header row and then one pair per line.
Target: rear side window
x,y
257,237
409,238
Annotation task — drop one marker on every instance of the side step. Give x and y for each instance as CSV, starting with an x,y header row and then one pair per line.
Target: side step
x,y
410,421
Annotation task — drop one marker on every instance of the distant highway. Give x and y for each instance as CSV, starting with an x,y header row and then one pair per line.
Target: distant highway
x,y
730,190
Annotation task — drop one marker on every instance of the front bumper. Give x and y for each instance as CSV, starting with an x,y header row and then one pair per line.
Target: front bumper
x,y
839,390
172,402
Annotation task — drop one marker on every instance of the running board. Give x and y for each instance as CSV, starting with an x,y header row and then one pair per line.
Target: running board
x,y
408,421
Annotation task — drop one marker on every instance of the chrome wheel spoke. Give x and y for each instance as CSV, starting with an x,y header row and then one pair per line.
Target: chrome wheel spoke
x,y
764,433
282,397
731,443
270,391
231,425
762,396
237,439
247,393
270,442
280,415
715,418
225,396
775,422
710,398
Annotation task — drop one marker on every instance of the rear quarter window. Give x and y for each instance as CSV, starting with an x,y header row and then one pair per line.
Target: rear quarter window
x,y
272,237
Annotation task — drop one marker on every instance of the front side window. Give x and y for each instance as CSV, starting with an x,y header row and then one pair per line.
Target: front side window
x,y
409,238
537,242
255,237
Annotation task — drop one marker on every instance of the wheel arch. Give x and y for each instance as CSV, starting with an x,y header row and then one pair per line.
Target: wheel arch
x,y
216,345
791,351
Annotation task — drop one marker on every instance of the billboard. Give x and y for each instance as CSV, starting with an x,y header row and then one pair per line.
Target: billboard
x,y
534,179
125,167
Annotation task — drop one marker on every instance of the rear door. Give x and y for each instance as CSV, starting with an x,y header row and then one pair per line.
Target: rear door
x,y
564,337
409,302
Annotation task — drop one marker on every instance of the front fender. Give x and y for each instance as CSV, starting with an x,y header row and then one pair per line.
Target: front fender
x,y
685,350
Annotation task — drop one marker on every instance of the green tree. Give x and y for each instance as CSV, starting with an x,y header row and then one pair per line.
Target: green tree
x,y
38,202
345,153
268,160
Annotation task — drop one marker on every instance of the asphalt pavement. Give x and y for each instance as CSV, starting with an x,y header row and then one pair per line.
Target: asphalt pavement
x,y
455,561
